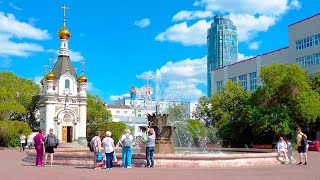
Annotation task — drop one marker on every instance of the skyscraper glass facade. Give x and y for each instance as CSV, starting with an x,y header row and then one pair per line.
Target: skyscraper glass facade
x,y
222,42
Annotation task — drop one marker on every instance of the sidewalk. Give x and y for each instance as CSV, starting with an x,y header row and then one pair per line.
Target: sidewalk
x,y
12,167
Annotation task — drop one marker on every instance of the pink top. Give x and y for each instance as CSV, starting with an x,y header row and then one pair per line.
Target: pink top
x,y
38,139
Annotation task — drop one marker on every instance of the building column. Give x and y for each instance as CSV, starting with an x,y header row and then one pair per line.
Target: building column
x,y
49,118
82,128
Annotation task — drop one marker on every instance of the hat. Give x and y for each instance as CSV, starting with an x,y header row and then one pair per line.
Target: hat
x,y
108,133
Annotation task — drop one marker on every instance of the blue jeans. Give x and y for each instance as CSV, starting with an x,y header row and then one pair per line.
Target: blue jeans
x,y
126,156
109,157
149,156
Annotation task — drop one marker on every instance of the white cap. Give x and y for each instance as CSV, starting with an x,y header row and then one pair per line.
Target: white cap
x,y
108,133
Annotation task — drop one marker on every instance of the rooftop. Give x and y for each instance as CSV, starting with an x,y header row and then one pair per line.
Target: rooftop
x,y
113,106
304,19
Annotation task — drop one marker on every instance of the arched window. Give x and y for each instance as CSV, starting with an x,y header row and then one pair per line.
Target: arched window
x,y
67,84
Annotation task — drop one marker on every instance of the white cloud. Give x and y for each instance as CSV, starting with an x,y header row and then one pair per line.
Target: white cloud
x,y
254,45
269,7
249,25
116,97
189,15
143,23
13,28
75,56
242,57
92,89
10,25
15,7
180,80
10,48
250,16
187,35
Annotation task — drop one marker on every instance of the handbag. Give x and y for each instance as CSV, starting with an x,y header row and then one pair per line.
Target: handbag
x,y
99,157
114,158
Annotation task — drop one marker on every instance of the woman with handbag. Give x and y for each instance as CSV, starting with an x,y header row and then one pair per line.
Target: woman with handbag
x,y
108,144
95,143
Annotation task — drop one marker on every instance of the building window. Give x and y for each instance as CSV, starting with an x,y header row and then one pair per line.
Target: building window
x,y
243,79
308,42
234,79
253,81
219,86
308,60
67,84
117,112
125,112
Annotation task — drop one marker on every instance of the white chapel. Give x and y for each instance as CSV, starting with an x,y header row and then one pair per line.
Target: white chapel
x,y
63,104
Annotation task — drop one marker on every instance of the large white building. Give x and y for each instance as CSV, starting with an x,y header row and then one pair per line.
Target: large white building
x,y
303,49
64,100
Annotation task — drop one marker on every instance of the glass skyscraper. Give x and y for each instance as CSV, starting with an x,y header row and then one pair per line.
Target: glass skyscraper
x,y
222,42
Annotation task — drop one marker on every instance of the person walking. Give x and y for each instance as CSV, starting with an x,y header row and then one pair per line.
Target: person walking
x,y
126,141
38,144
150,147
95,143
50,143
30,141
108,144
22,142
301,146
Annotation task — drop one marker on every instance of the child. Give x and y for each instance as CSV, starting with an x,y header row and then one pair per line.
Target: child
x,y
290,153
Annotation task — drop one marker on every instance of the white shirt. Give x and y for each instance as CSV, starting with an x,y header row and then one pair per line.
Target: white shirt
x,y
30,139
281,145
22,139
108,142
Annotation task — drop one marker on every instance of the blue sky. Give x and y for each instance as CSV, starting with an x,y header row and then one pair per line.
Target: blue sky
x,y
120,40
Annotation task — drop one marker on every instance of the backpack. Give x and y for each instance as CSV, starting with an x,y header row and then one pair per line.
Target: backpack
x,y
51,140
127,142
92,145
144,138
304,141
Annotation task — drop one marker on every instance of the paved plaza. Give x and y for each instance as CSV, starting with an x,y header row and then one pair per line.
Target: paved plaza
x,y
12,167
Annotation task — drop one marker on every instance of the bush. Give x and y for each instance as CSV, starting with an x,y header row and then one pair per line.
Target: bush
x,y
116,128
10,132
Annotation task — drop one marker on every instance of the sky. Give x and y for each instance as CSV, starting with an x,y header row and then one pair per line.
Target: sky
x,y
122,40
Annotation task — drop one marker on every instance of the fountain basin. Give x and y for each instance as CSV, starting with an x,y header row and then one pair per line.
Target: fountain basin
x,y
249,158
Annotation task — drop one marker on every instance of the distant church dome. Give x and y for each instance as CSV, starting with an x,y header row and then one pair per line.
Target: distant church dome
x,y
82,79
64,33
50,76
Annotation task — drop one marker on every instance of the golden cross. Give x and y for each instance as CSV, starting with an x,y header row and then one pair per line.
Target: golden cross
x,y
45,68
50,59
82,62
64,7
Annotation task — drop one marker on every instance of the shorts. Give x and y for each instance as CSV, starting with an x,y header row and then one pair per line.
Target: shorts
x,y
49,149
301,149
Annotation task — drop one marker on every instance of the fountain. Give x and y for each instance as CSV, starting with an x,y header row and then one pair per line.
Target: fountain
x,y
163,131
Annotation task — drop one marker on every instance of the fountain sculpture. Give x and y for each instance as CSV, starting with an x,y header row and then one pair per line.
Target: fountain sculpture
x,y
163,131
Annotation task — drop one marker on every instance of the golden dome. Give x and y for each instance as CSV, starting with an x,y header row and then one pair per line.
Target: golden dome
x,y
64,33
41,81
82,79
50,76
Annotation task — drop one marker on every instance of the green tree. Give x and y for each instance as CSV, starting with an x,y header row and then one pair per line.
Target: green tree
x,y
203,111
176,112
287,86
16,95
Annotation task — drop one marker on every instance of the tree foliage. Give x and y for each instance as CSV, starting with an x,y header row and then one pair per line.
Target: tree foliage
x,y
10,132
18,98
203,111
176,112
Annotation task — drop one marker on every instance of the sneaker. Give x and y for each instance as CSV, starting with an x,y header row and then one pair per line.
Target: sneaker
x,y
45,165
299,163
147,166
50,165
305,163
152,166
129,167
